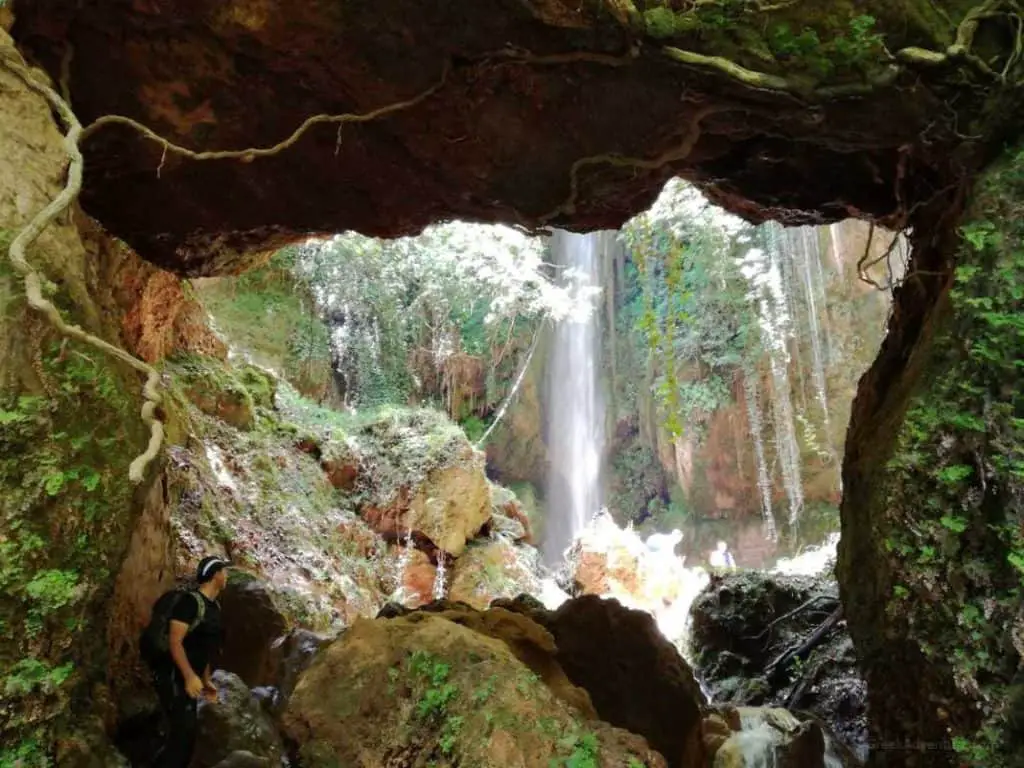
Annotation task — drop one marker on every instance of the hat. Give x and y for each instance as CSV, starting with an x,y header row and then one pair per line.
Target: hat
x,y
208,568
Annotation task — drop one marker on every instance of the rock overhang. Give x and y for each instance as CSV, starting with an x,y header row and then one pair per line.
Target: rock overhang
x,y
531,112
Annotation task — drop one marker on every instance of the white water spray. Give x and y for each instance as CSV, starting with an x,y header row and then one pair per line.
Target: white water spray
x,y
575,416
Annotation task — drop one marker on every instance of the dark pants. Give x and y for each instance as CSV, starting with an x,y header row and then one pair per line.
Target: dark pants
x,y
180,711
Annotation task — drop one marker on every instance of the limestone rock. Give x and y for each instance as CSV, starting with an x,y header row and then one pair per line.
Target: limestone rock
x,y
234,723
509,519
491,569
294,653
341,464
427,480
421,687
252,622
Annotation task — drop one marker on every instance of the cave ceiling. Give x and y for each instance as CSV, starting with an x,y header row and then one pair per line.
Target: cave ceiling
x,y
535,113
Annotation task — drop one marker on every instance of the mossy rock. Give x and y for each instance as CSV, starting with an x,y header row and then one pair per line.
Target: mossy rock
x,y
219,390
421,690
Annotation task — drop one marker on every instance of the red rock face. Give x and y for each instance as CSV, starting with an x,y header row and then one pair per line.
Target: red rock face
x,y
530,113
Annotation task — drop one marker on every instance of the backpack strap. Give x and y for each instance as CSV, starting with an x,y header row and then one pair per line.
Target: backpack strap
x,y
200,610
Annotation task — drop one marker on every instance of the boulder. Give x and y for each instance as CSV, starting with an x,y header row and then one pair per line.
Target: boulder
x,y
491,569
635,677
427,481
294,653
421,688
252,622
235,723
741,626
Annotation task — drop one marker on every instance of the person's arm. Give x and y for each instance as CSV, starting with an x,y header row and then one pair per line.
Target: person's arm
x,y
193,685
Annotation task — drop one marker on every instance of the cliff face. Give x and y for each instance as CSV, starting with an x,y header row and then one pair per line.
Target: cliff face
x,y
836,326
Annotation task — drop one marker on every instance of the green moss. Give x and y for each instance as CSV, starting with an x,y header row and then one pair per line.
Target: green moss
x,y
65,503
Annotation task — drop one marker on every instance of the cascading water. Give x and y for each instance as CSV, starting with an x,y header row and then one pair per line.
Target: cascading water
x,y
764,482
804,246
776,322
575,418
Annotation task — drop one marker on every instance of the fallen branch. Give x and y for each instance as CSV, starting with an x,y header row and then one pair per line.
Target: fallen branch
x,y
33,280
799,609
777,668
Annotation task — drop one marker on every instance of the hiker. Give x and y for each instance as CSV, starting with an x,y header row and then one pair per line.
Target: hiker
x,y
722,557
179,644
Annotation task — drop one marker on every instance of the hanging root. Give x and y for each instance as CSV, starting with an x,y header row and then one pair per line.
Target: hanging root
x,y
690,139
248,155
33,281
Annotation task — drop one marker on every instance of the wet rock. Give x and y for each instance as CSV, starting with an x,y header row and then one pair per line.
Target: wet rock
x,y
422,688
428,481
508,518
235,723
737,737
736,644
489,570
418,576
252,622
244,759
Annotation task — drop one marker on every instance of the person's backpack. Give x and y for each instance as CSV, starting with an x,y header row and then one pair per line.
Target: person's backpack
x,y
154,643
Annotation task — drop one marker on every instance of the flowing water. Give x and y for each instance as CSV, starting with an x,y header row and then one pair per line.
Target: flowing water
x,y
764,482
575,414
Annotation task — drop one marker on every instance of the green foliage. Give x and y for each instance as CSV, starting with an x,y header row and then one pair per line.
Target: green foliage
x,y
583,751
270,312
955,520
30,675
441,318
688,302
660,22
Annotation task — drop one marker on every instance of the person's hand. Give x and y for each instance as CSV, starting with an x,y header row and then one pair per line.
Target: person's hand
x,y
209,693
193,687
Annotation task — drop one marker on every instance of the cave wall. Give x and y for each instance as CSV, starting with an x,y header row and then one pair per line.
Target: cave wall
x,y
930,561
69,427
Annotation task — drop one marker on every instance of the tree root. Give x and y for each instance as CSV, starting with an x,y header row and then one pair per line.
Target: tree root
x,y
673,155
250,154
33,280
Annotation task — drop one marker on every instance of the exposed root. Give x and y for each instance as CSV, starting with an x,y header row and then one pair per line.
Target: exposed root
x,y
250,154
673,155
33,281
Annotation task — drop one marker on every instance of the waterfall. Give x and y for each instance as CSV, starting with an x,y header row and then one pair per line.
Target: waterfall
x,y
808,251
575,417
764,482
440,584
770,295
